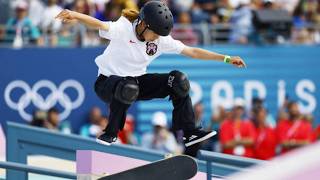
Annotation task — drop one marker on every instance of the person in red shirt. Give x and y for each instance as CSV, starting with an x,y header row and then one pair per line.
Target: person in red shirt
x,y
126,135
316,133
265,142
237,135
294,132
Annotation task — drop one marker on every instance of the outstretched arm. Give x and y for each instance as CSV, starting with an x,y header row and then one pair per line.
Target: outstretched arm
x,y
68,16
198,53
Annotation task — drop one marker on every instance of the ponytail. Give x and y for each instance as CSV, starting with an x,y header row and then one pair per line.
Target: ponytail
x,y
130,14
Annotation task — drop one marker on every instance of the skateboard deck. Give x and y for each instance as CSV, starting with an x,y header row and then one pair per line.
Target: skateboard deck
x,y
179,167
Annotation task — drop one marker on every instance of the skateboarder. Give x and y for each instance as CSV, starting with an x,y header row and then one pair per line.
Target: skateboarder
x,y
136,39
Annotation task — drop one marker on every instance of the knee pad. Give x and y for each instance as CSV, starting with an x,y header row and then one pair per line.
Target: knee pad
x,y
179,84
127,91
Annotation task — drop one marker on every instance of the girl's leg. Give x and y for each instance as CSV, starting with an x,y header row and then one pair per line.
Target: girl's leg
x,y
117,117
174,84
104,88
156,86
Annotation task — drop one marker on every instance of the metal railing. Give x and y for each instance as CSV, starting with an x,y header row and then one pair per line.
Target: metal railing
x,y
191,34
36,170
230,162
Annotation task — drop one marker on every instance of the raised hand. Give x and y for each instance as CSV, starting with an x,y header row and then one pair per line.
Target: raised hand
x,y
238,62
67,16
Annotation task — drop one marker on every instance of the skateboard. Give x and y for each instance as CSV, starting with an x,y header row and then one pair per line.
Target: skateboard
x,y
179,167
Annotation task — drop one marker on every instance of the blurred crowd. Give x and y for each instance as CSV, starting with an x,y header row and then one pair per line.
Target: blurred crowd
x,y
33,22
257,134
253,133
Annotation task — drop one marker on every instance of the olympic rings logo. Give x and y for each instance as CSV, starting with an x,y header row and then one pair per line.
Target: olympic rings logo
x,y
57,95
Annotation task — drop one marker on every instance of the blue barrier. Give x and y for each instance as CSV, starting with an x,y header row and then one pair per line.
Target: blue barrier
x,y
273,72
230,162
25,140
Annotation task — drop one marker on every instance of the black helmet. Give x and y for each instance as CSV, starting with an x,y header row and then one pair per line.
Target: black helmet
x,y
157,16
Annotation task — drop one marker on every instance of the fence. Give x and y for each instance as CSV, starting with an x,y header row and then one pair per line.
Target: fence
x,y
191,34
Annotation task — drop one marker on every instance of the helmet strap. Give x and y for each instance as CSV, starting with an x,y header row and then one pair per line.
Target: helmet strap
x,y
140,37
143,31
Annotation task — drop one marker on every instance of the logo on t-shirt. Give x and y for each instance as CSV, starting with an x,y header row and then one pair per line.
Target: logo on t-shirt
x,y
151,48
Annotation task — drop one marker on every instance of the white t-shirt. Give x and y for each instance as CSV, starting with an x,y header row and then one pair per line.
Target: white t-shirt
x,y
126,55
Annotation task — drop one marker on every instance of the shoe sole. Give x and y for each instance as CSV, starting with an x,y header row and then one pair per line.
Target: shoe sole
x,y
201,139
103,142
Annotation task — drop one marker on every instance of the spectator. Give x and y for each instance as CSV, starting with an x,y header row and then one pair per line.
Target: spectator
x,y
209,6
161,138
316,133
2,33
237,135
39,119
236,3
95,125
126,136
90,38
112,11
198,113
259,103
265,143
103,122
65,38
317,15
216,119
308,118
282,115
282,112
79,33
53,118
199,15
36,9
241,23
294,132
97,5
288,5
184,32
20,28
223,12
303,17
301,35
114,8
55,124
81,6
256,4
269,4
180,6
48,22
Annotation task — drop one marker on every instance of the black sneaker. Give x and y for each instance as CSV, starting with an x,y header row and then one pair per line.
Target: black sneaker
x,y
197,136
106,139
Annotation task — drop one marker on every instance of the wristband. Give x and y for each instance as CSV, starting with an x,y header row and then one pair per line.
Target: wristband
x,y
227,59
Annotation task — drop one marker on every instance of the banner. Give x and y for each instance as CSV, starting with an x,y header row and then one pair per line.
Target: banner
x,y
39,78
273,73
42,78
